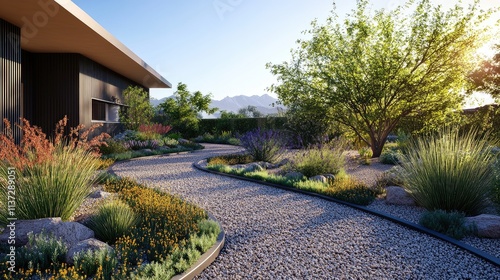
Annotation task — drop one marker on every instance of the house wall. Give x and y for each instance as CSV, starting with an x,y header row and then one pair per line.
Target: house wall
x,y
101,83
51,89
58,85
10,73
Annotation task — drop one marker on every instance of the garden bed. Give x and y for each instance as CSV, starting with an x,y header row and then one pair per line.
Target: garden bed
x,y
369,174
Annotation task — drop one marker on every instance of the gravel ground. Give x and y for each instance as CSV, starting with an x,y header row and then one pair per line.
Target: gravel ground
x,y
275,234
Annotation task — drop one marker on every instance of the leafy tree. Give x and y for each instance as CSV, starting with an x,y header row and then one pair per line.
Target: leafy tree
x,y
183,109
139,110
487,76
373,69
250,111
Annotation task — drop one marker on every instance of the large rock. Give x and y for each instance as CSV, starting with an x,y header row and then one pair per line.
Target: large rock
x,y
70,232
319,178
398,196
252,167
486,225
100,194
85,245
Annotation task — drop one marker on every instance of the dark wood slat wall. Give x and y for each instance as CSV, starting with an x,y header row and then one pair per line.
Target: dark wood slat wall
x,y
97,81
10,73
55,89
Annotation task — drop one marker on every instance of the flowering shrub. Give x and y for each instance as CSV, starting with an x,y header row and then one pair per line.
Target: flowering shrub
x,y
155,128
152,131
170,237
36,148
53,176
139,145
264,145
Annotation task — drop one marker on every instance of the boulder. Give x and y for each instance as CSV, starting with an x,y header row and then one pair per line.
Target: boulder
x,y
319,178
253,167
487,225
294,175
329,177
398,196
70,232
100,194
85,245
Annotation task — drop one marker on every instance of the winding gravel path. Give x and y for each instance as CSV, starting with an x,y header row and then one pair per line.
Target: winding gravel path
x,y
275,234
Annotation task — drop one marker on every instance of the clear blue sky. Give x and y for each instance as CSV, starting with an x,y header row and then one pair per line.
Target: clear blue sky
x,y
216,46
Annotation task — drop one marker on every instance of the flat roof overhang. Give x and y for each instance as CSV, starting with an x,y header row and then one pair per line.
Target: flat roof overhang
x,y
60,26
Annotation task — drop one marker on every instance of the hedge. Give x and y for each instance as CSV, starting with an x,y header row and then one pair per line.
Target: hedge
x,y
240,125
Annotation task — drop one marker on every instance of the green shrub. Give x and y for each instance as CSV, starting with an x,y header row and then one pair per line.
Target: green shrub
x,y
264,145
183,258
43,251
234,141
231,159
449,223
327,159
352,191
175,135
390,156
495,194
113,147
167,141
449,172
54,188
113,220
366,154
101,262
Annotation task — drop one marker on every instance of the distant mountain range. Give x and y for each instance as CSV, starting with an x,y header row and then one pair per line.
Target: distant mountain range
x,y
264,104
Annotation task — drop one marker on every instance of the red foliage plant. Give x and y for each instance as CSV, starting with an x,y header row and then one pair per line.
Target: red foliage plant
x,y
36,148
155,128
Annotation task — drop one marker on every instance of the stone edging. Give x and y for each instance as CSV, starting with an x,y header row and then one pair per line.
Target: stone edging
x,y
207,258
492,259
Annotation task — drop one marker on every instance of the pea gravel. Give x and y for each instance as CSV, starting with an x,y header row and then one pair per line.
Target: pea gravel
x,y
275,234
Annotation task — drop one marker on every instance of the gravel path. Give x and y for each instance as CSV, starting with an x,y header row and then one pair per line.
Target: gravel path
x,y
275,234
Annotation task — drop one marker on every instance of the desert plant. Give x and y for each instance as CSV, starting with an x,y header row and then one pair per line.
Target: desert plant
x,y
101,263
264,145
113,220
43,251
325,159
352,191
449,172
112,147
390,156
366,154
231,159
53,188
139,145
449,223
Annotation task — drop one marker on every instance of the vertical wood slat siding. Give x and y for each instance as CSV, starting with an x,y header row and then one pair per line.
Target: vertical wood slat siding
x,y
10,73
55,89
97,81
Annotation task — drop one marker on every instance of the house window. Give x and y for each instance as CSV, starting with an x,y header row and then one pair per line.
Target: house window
x,y
98,110
104,111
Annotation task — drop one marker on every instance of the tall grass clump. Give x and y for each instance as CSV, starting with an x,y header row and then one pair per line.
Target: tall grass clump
x,y
52,175
112,221
264,145
449,171
325,159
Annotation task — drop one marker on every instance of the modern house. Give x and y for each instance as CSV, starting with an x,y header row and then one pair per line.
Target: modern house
x,y
55,60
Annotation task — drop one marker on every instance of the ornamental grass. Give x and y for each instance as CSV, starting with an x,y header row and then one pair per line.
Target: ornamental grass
x,y
450,172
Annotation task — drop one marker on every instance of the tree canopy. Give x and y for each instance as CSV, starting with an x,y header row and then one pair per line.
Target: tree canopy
x,y
139,110
183,109
375,68
487,77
